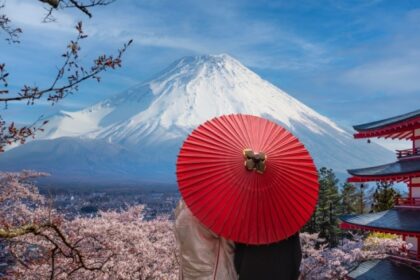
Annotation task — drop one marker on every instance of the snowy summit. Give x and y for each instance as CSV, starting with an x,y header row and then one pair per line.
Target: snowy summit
x,y
137,133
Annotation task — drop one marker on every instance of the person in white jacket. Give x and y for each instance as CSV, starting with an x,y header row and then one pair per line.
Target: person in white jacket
x,y
203,254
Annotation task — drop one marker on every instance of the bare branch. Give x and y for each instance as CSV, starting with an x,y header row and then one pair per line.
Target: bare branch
x,y
53,3
78,74
81,5
12,32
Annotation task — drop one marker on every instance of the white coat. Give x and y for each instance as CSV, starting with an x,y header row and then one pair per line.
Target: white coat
x,y
203,254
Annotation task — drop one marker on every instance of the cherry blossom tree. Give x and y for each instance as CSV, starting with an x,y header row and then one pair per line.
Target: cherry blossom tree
x,y
321,262
43,244
112,245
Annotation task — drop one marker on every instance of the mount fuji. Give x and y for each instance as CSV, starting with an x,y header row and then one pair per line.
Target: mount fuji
x,y
135,136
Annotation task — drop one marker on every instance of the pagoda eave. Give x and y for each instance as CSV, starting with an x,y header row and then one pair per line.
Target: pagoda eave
x,y
398,127
350,226
390,178
399,171
398,220
394,132
384,269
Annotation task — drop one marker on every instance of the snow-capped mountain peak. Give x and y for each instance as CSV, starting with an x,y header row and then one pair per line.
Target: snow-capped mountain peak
x,y
157,115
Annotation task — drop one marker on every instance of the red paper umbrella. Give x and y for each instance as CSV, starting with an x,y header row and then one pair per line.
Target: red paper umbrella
x,y
247,179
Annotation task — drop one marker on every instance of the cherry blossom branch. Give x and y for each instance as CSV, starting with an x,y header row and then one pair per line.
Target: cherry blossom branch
x,y
12,33
65,82
78,75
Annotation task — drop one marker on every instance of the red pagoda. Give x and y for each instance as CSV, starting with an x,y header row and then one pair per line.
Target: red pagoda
x,y
404,218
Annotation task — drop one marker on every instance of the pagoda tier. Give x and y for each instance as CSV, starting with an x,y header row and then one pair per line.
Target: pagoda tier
x,y
399,127
402,221
399,171
399,220
382,270
407,168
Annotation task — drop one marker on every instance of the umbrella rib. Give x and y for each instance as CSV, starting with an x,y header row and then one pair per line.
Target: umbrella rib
x,y
279,142
257,198
211,139
232,129
294,194
221,126
302,190
208,183
293,167
244,128
237,128
233,206
311,178
276,214
232,191
241,213
198,147
199,172
296,225
285,220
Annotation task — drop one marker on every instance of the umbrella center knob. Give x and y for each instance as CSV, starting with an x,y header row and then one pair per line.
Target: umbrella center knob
x,y
255,161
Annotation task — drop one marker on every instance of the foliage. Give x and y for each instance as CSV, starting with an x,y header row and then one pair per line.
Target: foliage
x,y
325,218
384,197
381,235
361,198
349,199
321,262
112,245
332,203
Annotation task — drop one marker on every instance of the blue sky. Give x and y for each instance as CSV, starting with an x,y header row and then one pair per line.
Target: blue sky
x,y
353,61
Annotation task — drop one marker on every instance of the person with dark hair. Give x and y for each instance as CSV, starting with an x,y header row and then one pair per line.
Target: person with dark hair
x,y
275,261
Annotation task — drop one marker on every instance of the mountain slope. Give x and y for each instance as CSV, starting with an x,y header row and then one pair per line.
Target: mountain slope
x,y
148,123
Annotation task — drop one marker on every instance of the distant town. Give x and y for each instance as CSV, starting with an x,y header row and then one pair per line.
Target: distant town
x,y
73,204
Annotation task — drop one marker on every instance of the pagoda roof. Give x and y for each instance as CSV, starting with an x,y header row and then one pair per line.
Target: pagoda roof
x,y
398,220
400,127
383,270
400,170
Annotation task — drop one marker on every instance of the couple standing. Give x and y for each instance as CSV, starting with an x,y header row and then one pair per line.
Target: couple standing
x,y
248,186
207,256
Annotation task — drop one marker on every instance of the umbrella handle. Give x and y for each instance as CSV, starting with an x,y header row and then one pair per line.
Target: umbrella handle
x,y
255,161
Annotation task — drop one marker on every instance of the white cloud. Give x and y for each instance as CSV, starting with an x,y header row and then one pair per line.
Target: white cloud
x,y
391,75
259,42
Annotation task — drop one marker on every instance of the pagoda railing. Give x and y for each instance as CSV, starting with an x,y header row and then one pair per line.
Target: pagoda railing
x,y
410,260
413,254
413,201
408,153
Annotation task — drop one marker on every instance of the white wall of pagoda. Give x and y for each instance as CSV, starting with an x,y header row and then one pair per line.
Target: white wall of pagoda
x,y
415,187
415,192
417,141
414,242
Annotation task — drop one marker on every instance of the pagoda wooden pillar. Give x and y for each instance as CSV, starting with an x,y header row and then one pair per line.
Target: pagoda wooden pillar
x,y
418,247
414,184
416,138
